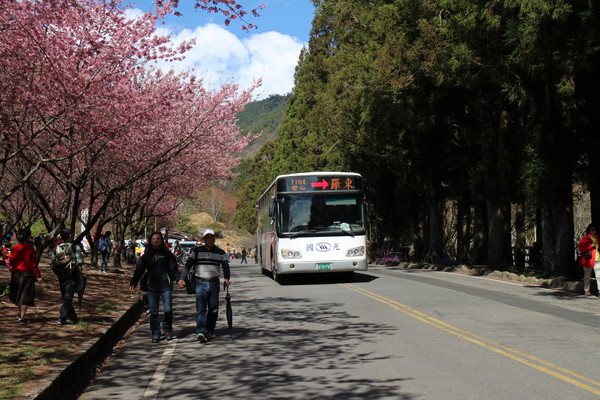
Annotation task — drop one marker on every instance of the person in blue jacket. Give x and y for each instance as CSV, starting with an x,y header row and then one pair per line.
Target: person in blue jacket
x,y
155,271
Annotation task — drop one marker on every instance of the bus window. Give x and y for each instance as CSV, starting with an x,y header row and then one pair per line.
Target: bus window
x,y
320,213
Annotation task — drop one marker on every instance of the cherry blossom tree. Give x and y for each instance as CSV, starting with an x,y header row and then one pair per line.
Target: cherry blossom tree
x,y
230,9
84,118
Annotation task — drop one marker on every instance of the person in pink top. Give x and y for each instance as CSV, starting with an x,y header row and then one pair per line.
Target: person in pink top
x,y
590,257
24,272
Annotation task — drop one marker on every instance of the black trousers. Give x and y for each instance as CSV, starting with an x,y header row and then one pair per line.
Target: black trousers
x,y
67,290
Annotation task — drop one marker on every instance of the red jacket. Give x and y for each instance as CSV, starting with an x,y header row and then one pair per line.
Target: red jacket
x,y
22,258
586,246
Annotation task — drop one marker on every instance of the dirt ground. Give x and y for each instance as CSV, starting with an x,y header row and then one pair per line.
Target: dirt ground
x,y
31,354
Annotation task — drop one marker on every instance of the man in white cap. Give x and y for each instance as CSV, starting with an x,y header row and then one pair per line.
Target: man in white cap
x,y
206,259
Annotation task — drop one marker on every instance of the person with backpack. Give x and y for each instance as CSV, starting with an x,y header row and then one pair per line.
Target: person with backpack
x,y
156,271
67,258
105,246
23,266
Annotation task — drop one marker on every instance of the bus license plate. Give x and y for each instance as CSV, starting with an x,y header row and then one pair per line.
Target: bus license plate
x,y
323,266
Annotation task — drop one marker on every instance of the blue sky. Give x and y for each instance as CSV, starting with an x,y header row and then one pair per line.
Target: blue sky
x,y
229,54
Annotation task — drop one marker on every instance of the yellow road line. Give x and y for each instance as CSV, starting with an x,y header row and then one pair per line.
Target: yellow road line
x,y
517,355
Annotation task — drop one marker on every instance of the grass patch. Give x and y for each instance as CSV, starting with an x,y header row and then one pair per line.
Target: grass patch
x,y
84,324
23,364
11,389
107,307
32,352
57,355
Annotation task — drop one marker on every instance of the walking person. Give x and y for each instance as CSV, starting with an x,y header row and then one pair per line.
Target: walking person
x,y
156,271
207,259
244,255
105,247
67,259
178,252
6,251
23,266
590,257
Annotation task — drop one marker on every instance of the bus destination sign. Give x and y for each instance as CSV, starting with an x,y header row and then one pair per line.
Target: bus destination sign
x,y
320,183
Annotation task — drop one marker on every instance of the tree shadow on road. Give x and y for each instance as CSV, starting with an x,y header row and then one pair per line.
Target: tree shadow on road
x,y
283,347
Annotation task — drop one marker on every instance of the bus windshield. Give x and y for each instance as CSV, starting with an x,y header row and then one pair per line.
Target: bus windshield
x,y
305,214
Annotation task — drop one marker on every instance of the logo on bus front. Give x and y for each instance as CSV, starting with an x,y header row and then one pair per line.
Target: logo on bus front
x,y
323,246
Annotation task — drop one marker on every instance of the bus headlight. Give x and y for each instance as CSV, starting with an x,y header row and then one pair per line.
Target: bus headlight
x,y
356,252
285,253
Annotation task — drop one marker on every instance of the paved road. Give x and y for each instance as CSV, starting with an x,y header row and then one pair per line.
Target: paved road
x,y
387,334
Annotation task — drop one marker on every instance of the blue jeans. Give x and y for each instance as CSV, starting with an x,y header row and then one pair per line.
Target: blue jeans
x,y
207,306
167,299
105,257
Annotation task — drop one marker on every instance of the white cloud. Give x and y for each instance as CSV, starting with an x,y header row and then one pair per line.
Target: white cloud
x,y
133,13
220,57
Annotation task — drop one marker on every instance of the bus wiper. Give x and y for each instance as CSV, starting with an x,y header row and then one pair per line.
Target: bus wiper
x,y
345,227
348,232
301,233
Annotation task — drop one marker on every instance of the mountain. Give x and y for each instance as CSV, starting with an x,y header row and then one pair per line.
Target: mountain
x,y
262,116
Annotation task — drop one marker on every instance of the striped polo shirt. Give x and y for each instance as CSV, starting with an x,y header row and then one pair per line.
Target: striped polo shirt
x,y
207,263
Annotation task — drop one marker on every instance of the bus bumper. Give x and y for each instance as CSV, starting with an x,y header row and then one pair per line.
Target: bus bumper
x,y
307,267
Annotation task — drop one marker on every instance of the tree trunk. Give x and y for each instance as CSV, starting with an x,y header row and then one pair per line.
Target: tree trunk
x,y
435,222
480,236
520,241
119,240
563,227
463,227
434,239
496,162
499,253
594,192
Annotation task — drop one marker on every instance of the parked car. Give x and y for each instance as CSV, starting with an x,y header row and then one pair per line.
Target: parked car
x,y
187,246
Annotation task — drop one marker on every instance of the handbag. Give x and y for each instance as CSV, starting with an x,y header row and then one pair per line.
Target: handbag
x,y
190,278
190,281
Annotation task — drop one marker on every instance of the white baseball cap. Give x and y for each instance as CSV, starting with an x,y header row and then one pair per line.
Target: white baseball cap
x,y
208,232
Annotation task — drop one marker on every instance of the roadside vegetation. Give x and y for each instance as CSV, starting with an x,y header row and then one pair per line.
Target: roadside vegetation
x,y
472,123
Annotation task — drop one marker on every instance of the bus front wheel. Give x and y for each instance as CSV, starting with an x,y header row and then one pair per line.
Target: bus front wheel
x,y
277,277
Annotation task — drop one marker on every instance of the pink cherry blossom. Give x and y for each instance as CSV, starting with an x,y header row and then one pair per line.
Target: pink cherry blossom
x,y
88,123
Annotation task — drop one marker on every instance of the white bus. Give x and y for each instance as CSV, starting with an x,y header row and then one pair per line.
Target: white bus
x,y
312,222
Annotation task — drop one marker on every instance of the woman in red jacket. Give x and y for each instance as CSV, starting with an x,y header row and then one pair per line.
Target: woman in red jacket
x,y
590,257
24,272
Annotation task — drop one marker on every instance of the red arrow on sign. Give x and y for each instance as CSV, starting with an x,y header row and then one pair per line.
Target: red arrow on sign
x,y
323,184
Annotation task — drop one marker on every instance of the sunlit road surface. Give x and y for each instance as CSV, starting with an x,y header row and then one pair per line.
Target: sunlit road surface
x,y
385,334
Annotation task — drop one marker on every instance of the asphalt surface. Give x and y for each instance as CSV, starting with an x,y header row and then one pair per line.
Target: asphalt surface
x,y
386,334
